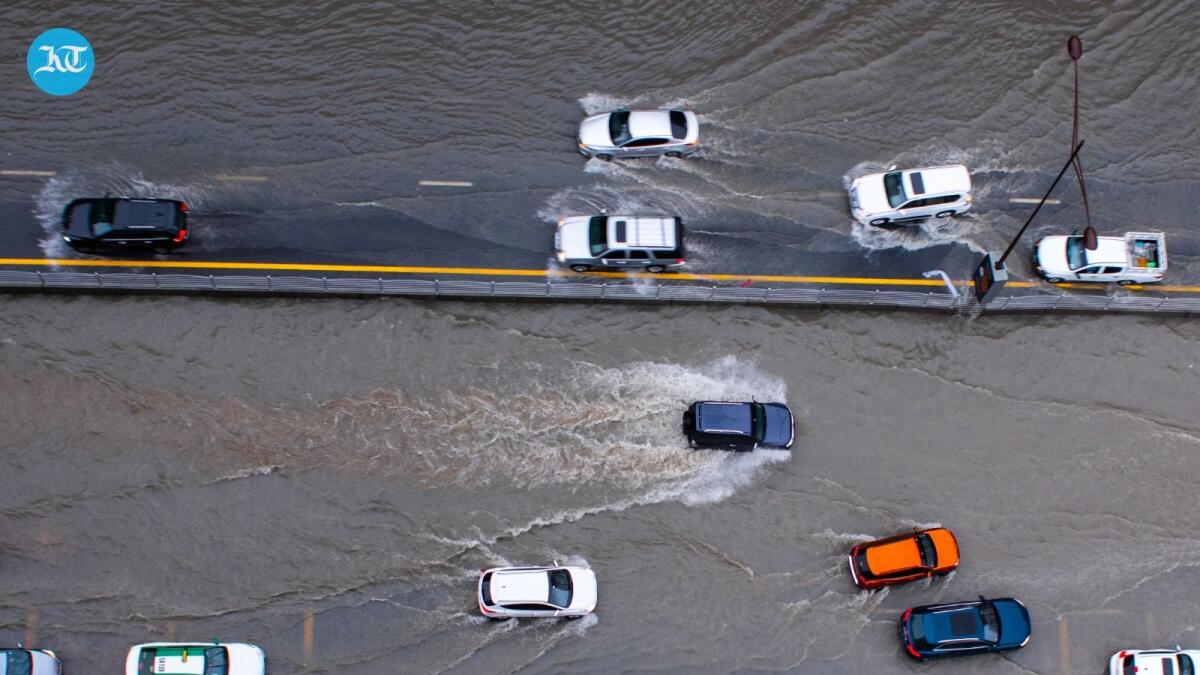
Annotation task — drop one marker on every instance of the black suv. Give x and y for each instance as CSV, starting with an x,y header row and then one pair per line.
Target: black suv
x,y
115,222
739,426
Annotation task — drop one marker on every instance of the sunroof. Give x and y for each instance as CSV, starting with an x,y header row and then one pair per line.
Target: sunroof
x,y
620,233
918,183
963,623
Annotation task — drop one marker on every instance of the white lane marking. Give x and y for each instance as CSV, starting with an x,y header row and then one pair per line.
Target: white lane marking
x,y
1032,200
446,183
246,179
28,172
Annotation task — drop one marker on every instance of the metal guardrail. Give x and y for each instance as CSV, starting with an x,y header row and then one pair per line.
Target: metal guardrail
x,y
583,290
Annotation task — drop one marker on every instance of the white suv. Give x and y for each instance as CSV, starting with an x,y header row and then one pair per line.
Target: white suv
x,y
619,242
536,592
911,195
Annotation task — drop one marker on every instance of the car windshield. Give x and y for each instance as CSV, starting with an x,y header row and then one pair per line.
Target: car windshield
x,y
597,237
927,551
758,420
894,187
1186,667
618,127
18,663
560,588
1075,253
991,622
916,631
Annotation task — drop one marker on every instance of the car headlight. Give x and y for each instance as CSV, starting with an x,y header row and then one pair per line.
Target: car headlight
x,y
66,238
562,257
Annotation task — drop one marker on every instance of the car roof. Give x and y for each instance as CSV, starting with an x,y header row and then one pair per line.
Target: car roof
x,y
937,180
650,123
894,556
1109,251
530,585
1151,662
729,417
624,232
170,660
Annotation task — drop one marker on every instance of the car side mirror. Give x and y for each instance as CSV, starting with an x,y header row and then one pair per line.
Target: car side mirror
x,y
982,599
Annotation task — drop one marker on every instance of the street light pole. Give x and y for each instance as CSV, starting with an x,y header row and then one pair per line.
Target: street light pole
x,y
1075,50
991,274
1013,243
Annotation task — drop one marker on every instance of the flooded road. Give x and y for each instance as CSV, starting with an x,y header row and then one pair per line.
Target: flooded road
x,y
325,478
301,134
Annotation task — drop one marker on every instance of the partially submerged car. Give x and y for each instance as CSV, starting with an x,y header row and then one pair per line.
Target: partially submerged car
x,y
900,197
1154,662
639,133
741,426
653,244
124,222
965,628
22,661
1136,258
196,658
536,592
904,557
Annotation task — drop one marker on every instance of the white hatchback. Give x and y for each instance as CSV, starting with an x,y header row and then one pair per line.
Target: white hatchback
x,y
1154,661
536,592
911,195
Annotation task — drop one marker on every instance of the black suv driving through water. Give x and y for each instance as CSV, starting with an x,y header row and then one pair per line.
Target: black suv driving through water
x,y
739,426
116,222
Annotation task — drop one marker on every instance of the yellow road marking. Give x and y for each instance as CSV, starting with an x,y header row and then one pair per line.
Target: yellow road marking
x,y
309,620
506,272
31,619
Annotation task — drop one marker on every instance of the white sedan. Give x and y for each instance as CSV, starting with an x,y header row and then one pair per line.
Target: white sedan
x,y
639,133
196,658
1154,662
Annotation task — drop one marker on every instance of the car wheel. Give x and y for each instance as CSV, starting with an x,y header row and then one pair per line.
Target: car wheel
x,y
656,269
604,156
879,221
1125,282
581,268
945,214
1054,280
674,154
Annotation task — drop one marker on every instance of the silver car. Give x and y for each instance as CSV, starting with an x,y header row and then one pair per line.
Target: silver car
x,y
639,133
536,592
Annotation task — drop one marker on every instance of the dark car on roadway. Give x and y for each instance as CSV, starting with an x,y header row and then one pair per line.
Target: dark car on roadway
x,y
730,425
965,628
124,222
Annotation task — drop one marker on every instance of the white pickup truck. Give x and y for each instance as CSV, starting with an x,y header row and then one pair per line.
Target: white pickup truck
x,y
1136,258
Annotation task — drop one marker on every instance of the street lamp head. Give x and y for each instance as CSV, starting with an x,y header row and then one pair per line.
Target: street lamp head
x,y
1075,47
1089,238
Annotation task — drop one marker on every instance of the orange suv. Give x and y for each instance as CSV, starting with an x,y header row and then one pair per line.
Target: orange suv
x,y
904,557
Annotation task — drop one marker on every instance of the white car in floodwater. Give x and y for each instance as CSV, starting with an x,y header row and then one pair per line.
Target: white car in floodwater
x,y
900,197
1136,258
1154,662
196,658
22,661
536,592
639,133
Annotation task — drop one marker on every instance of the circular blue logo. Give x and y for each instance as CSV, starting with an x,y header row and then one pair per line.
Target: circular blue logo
x,y
60,61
